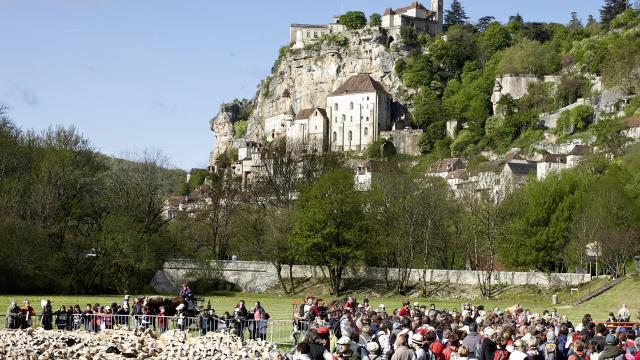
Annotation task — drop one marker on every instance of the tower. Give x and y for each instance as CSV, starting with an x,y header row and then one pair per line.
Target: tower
x,y
438,7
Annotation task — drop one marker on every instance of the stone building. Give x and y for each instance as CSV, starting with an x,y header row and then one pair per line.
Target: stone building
x,y
416,16
277,125
302,34
310,128
442,168
358,111
405,140
551,163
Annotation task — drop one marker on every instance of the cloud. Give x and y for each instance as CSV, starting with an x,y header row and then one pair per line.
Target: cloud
x,y
23,93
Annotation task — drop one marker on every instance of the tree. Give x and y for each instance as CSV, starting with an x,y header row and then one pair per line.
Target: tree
x,y
494,38
620,66
330,225
483,22
611,9
353,20
575,22
455,15
375,19
240,128
428,107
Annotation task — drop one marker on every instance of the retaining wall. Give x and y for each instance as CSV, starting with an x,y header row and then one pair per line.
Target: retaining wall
x,y
257,276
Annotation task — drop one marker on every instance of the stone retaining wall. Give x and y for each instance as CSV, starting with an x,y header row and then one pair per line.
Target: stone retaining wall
x,y
257,276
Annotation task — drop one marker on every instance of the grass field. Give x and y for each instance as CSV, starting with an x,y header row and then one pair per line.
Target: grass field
x,y
280,307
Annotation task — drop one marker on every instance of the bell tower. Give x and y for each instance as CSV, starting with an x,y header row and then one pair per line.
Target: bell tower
x,y
438,7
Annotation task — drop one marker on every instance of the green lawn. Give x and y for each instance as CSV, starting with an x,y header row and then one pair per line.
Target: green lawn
x,y
281,308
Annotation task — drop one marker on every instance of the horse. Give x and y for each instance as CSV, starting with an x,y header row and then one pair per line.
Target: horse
x,y
153,303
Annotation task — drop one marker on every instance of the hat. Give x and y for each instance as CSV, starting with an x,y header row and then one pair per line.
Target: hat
x,y
126,297
610,339
322,330
381,306
43,302
417,339
373,346
416,304
180,307
344,341
621,330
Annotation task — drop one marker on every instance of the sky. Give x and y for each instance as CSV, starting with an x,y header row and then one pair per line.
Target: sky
x,y
150,74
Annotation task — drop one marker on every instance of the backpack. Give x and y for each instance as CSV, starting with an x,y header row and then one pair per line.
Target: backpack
x,y
478,353
335,327
550,351
501,354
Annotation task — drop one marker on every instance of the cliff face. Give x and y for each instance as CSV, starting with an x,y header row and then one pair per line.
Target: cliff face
x,y
305,77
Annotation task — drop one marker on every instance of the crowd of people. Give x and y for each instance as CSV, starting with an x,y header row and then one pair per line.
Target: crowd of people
x,y
420,332
349,330
96,317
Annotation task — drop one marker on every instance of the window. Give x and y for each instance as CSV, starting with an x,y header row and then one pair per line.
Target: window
x,y
367,119
351,105
335,136
336,119
308,33
335,107
366,131
315,34
351,118
344,117
350,136
367,98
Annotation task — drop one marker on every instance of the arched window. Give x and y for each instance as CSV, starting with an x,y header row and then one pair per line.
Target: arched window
x,y
351,118
344,117
350,136
366,131
367,119
335,107
351,105
335,136
336,119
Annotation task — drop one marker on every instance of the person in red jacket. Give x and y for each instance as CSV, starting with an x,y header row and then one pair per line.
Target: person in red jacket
x,y
404,310
436,347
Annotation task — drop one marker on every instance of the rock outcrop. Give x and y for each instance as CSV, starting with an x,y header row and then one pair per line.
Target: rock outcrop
x,y
305,77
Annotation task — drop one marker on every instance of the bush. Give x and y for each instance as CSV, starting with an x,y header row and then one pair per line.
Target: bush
x,y
353,20
627,19
400,66
633,106
573,120
375,19
462,145
281,55
409,36
530,57
240,128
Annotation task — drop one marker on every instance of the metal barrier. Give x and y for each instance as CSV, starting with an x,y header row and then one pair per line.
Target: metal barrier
x,y
281,332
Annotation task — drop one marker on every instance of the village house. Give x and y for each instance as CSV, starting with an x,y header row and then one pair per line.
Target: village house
x,y
249,162
358,111
188,204
277,125
515,174
311,129
577,154
416,16
550,163
633,128
442,168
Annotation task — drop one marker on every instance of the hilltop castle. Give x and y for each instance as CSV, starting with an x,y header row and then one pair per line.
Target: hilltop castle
x,y
414,15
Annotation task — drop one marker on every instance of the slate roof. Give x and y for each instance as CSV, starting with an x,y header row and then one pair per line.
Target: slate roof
x,y
580,150
519,168
361,83
444,165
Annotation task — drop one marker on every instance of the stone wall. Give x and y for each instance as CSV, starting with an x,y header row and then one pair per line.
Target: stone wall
x,y
257,276
405,141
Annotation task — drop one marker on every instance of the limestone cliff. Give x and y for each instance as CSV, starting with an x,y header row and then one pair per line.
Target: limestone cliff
x,y
305,77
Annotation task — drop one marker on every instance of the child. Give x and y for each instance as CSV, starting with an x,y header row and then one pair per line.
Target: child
x,y
162,320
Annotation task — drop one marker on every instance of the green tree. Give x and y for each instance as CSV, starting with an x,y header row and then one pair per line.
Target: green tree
x,y
353,20
495,38
240,128
331,226
428,107
611,9
375,19
621,63
455,15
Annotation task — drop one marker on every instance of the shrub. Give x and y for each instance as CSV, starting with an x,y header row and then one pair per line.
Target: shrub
x,y
573,120
375,19
353,20
240,128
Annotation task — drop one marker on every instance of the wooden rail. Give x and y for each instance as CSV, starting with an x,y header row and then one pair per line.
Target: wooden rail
x,y
617,324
